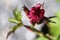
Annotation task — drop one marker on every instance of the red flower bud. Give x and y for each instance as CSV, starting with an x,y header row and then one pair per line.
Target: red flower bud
x,y
36,14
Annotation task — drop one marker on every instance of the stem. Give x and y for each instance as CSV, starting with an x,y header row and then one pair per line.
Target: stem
x,y
33,30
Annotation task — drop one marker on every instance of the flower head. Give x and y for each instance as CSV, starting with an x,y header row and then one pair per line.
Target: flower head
x,y
36,13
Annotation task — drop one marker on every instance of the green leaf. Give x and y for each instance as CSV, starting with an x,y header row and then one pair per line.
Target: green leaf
x,y
17,14
14,20
17,19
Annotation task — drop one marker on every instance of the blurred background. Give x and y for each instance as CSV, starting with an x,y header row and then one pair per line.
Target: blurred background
x,y
6,8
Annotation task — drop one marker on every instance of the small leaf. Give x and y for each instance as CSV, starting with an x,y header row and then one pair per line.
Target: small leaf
x,y
17,14
17,19
14,20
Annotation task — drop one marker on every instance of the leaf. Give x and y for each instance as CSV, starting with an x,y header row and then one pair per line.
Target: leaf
x,y
14,20
17,19
17,14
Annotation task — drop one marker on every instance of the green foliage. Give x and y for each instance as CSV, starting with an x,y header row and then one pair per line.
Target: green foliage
x,y
58,1
42,38
55,27
17,19
14,20
17,14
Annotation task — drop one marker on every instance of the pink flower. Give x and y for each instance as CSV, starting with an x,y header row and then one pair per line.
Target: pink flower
x,y
36,14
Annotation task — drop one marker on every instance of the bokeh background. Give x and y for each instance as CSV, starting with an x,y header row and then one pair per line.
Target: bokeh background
x,y
6,8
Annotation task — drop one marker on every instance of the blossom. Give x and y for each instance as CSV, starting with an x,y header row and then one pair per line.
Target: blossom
x,y
36,14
